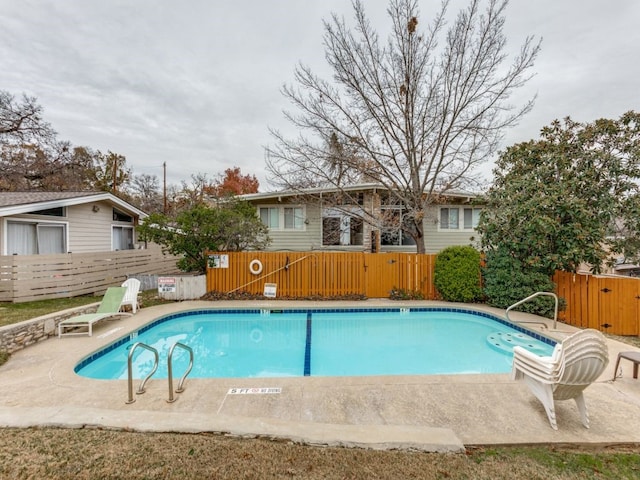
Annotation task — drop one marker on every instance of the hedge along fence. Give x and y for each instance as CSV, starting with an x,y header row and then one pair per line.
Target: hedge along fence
x,y
324,274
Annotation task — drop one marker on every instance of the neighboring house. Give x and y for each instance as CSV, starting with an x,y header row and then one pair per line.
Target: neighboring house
x,y
61,222
298,224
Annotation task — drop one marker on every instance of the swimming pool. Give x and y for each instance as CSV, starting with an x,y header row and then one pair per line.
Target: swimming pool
x,y
320,342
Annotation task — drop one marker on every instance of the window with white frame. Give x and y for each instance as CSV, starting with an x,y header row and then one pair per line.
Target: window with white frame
x,y
122,238
450,218
293,218
270,216
283,218
33,238
471,218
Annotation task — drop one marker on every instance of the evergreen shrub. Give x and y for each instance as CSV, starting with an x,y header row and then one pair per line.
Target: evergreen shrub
x,y
457,274
507,281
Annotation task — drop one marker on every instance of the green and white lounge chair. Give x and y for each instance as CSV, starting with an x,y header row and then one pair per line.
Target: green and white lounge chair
x,y
109,307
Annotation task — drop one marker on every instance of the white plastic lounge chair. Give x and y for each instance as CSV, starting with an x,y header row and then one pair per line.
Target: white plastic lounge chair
x,y
575,364
109,307
131,296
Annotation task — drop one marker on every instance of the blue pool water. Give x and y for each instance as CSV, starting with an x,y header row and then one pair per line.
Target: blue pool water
x,y
335,342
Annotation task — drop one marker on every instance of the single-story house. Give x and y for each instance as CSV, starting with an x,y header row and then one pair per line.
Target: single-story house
x,y
303,221
34,223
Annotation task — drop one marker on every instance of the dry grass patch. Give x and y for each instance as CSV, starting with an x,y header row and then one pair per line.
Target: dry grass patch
x,y
89,454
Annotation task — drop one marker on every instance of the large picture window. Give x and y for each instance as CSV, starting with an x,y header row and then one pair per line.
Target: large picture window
x,y
340,228
27,238
393,233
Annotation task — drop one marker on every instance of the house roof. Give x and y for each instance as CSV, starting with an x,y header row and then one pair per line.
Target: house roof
x,y
349,188
14,203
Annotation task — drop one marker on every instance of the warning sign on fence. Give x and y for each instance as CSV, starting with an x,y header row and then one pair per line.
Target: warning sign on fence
x,y
166,284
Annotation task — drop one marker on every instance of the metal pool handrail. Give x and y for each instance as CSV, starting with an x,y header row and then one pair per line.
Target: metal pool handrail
x,y
537,294
170,370
130,370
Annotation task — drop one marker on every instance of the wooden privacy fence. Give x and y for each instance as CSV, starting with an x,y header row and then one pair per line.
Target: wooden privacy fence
x,y
606,303
24,278
326,274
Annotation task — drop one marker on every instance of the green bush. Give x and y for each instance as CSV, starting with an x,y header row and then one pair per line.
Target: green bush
x,y
4,356
507,281
457,274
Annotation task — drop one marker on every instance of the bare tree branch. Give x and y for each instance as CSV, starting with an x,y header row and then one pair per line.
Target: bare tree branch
x,y
416,114
22,122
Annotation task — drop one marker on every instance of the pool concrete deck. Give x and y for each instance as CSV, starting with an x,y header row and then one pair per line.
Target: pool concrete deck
x,y
434,413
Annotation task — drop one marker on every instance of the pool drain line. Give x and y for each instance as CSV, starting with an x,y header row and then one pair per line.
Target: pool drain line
x,y
307,348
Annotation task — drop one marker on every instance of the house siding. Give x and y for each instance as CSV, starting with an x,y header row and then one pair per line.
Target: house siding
x,y
309,238
436,239
87,231
92,231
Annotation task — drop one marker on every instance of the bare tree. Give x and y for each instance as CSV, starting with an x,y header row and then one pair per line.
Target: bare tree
x,y
146,192
50,166
21,122
31,156
414,116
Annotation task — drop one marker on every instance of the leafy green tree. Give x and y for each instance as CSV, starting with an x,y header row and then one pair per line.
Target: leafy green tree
x,y
232,226
569,198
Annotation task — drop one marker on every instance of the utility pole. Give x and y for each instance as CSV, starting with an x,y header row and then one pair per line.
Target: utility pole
x,y
164,190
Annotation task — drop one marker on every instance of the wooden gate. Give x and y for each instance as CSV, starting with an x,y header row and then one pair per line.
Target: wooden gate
x,y
606,303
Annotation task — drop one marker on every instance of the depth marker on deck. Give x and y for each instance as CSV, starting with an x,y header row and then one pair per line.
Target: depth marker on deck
x,y
254,391
249,391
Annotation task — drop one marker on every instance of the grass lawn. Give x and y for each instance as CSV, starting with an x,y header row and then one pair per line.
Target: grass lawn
x,y
17,312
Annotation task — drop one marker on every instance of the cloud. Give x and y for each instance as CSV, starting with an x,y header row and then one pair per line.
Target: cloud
x,y
197,84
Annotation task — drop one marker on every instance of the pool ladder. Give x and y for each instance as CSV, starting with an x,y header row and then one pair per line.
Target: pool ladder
x,y
141,388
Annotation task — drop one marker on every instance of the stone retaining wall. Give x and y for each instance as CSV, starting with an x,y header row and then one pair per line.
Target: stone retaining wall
x,y
20,335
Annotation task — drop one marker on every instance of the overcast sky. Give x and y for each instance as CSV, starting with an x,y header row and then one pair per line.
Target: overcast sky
x,y
197,83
